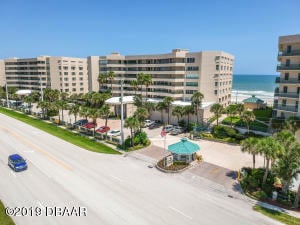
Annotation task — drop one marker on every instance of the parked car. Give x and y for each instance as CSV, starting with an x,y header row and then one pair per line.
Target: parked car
x,y
181,129
154,125
80,122
90,125
114,133
17,163
147,123
175,131
168,128
103,129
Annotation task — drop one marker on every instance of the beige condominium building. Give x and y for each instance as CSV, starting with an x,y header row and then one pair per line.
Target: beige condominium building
x,y
66,74
286,102
178,74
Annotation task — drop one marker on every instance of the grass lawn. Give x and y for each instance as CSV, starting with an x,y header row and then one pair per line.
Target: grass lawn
x,y
254,125
66,135
279,216
5,219
263,114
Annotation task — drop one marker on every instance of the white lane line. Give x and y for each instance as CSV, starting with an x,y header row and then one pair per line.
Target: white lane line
x,y
181,213
13,173
30,151
116,178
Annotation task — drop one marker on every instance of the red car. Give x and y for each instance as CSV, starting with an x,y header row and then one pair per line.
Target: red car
x,y
90,125
103,129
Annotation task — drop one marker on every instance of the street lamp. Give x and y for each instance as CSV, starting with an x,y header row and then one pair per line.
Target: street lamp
x,y
122,113
7,102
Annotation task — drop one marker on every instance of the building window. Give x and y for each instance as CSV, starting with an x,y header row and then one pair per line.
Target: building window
x,y
103,62
73,78
191,76
286,76
73,89
66,84
216,92
194,84
81,89
190,92
80,78
65,73
73,73
73,68
192,68
81,84
216,84
66,68
66,90
217,67
80,68
298,76
65,79
283,102
80,73
285,88
73,84
190,60
298,90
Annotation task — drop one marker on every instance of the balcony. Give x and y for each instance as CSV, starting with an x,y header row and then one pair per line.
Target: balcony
x,y
291,53
286,95
289,81
286,108
288,67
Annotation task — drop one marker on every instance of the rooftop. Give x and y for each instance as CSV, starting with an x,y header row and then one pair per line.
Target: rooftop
x,y
184,147
253,99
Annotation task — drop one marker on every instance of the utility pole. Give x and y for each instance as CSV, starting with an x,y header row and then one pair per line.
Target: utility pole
x,y
7,102
42,97
122,113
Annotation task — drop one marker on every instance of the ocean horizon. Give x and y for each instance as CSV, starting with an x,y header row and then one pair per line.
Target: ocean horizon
x,y
260,85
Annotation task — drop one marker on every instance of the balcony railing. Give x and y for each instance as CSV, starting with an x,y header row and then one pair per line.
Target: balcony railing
x,y
287,95
291,53
286,108
289,81
288,67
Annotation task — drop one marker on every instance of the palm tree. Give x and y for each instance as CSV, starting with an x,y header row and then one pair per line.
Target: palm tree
x,y
74,109
217,109
291,124
29,99
105,111
250,145
51,95
197,98
147,81
45,106
240,108
247,117
188,109
168,102
140,80
134,85
61,105
178,112
132,123
150,106
270,148
111,76
137,100
141,114
94,114
231,111
160,107
64,95
102,79
84,111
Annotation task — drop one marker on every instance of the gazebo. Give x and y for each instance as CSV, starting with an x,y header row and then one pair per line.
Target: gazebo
x,y
184,150
253,103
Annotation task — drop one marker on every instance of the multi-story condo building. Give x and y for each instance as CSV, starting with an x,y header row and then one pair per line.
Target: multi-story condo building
x,y
178,74
286,100
62,73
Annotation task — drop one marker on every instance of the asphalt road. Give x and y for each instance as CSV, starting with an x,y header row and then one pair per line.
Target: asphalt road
x,y
113,189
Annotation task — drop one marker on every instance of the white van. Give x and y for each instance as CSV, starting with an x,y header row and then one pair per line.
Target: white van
x,y
168,128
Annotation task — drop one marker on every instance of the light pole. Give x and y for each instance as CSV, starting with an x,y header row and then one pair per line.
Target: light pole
x,y
122,113
42,97
7,102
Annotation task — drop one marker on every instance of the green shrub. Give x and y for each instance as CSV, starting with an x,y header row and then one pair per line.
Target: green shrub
x,y
261,195
140,138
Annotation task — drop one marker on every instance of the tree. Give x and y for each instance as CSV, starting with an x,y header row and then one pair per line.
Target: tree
x,y
160,107
250,145
140,80
178,112
51,95
168,102
61,105
84,111
270,148
150,106
292,124
247,117
94,114
102,79
111,76
74,109
147,81
137,100
217,109
105,111
231,111
141,114
188,109
197,98
240,108
29,99
45,106
134,85
133,124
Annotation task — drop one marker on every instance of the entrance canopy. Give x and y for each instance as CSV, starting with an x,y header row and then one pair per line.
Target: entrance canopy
x,y
184,147
23,92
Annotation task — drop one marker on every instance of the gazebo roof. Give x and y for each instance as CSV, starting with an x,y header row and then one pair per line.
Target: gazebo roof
x,y
253,99
184,147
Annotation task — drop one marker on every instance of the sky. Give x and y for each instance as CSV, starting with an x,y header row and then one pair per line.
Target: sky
x,y
247,29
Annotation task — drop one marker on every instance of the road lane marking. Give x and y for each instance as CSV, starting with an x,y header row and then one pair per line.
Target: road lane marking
x,y
116,178
215,171
181,213
30,151
51,157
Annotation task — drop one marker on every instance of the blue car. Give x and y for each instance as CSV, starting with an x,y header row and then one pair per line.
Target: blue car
x,y
17,163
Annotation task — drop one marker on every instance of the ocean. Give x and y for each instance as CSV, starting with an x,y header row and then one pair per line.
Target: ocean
x,y
262,86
